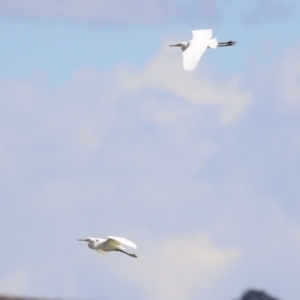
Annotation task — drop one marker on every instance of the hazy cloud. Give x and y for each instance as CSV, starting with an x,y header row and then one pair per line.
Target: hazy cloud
x,y
110,12
165,73
267,10
182,267
288,75
161,157
15,283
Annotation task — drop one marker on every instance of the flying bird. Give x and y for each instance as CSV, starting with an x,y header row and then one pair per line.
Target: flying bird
x,y
112,243
194,49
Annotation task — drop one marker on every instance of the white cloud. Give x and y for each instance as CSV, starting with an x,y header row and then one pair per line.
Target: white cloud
x,y
16,283
288,77
78,120
152,155
279,79
180,267
115,11
165,73
266,10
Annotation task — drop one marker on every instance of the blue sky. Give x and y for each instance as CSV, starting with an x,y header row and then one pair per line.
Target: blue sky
x,y
104,133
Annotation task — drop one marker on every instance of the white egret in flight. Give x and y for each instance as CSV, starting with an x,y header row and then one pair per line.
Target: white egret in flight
x,y
111,244
194,49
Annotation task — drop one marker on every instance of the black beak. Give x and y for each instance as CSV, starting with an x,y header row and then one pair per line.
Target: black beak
x,y
82,240
178,45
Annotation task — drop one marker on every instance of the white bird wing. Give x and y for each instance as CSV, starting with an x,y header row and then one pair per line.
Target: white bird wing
x,y
121,241
202,34
101,252
197,47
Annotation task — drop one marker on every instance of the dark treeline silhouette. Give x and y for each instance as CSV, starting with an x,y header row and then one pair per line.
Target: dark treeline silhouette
x,y
249,295
11,297
257,295
6,297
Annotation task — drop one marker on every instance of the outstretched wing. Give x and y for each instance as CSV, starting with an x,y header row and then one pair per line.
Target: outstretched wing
x,y
121,241
202,34
101,252
197,47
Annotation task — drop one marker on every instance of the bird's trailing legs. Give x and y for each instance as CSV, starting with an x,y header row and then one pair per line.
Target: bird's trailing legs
x,y
225,44
130,254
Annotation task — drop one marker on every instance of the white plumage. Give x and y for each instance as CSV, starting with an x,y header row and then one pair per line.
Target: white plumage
x,y
194,49
112,243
